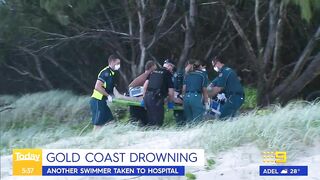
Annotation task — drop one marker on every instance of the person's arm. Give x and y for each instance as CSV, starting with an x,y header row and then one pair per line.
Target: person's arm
x,y
171,94
219,84
204,88
184,86
99,87
184,89
188,68
215,90
140,80
145,86
205,95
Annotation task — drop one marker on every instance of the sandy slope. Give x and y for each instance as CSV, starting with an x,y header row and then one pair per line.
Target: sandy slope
x,y
244,162
238,163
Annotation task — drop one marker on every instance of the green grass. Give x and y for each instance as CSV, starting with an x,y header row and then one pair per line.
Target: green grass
x,y
210,164
169,119
55,119
190,176
250,98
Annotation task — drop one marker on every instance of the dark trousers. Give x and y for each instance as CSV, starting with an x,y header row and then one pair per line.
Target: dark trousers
x,y
231,106
155,111
180,118
101,113
138,114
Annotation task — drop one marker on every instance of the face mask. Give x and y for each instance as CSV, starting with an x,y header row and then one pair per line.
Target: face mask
x,y
204,69
117,67
216,69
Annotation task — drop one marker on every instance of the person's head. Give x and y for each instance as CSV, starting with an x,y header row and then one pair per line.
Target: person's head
x,y
197,65
203,66
216,63
150,66
188,67
168,64
114,62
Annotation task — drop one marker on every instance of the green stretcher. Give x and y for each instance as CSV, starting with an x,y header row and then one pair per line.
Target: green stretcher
x,y
137,103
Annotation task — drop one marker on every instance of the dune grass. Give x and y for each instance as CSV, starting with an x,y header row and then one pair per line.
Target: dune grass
x,y
41,118
55,119
250,98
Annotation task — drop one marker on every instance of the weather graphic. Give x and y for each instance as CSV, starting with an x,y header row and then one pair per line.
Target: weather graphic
x,y
173,89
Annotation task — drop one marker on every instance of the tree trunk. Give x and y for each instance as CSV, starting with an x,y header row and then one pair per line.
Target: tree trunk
x,y
133,66
257,63
271,54
141,15
312,71
297,69
189,42
70,75
42,75
247,44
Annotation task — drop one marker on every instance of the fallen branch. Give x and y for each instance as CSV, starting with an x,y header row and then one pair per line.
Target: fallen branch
x,y
6,108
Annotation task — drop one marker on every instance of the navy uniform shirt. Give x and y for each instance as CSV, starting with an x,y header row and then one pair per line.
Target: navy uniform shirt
x,y
229,81
195,81
106,75
161,80
178,78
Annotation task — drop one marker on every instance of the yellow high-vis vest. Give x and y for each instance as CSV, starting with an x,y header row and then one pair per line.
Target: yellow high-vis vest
x,y
96,94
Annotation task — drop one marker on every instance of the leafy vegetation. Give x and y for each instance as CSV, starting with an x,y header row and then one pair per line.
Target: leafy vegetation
x,y
250,98
210,164
191,176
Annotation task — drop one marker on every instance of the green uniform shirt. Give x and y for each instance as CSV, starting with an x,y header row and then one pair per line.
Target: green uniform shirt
x,y
229,81
195,81
214,82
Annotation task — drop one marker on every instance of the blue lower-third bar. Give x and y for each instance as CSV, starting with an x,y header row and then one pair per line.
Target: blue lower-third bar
x,y
113,170
283,170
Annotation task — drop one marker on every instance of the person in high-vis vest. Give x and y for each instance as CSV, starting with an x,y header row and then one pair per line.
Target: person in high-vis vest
x,y
102,92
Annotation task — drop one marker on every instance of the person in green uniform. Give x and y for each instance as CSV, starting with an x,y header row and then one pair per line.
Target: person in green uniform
x,y
229,83
195,94
102,92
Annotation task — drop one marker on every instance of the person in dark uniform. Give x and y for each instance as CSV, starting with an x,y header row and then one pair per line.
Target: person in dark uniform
x,y
138,113
157,87
195,94
149,67
102,92
229,83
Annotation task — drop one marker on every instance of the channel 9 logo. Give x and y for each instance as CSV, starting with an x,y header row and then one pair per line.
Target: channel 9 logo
x,y
275,157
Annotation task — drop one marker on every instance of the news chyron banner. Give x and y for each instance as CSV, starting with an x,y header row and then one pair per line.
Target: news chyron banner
x,y
105,162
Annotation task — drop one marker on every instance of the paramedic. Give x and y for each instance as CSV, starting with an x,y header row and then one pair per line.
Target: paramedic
x,y
229,83
102,92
